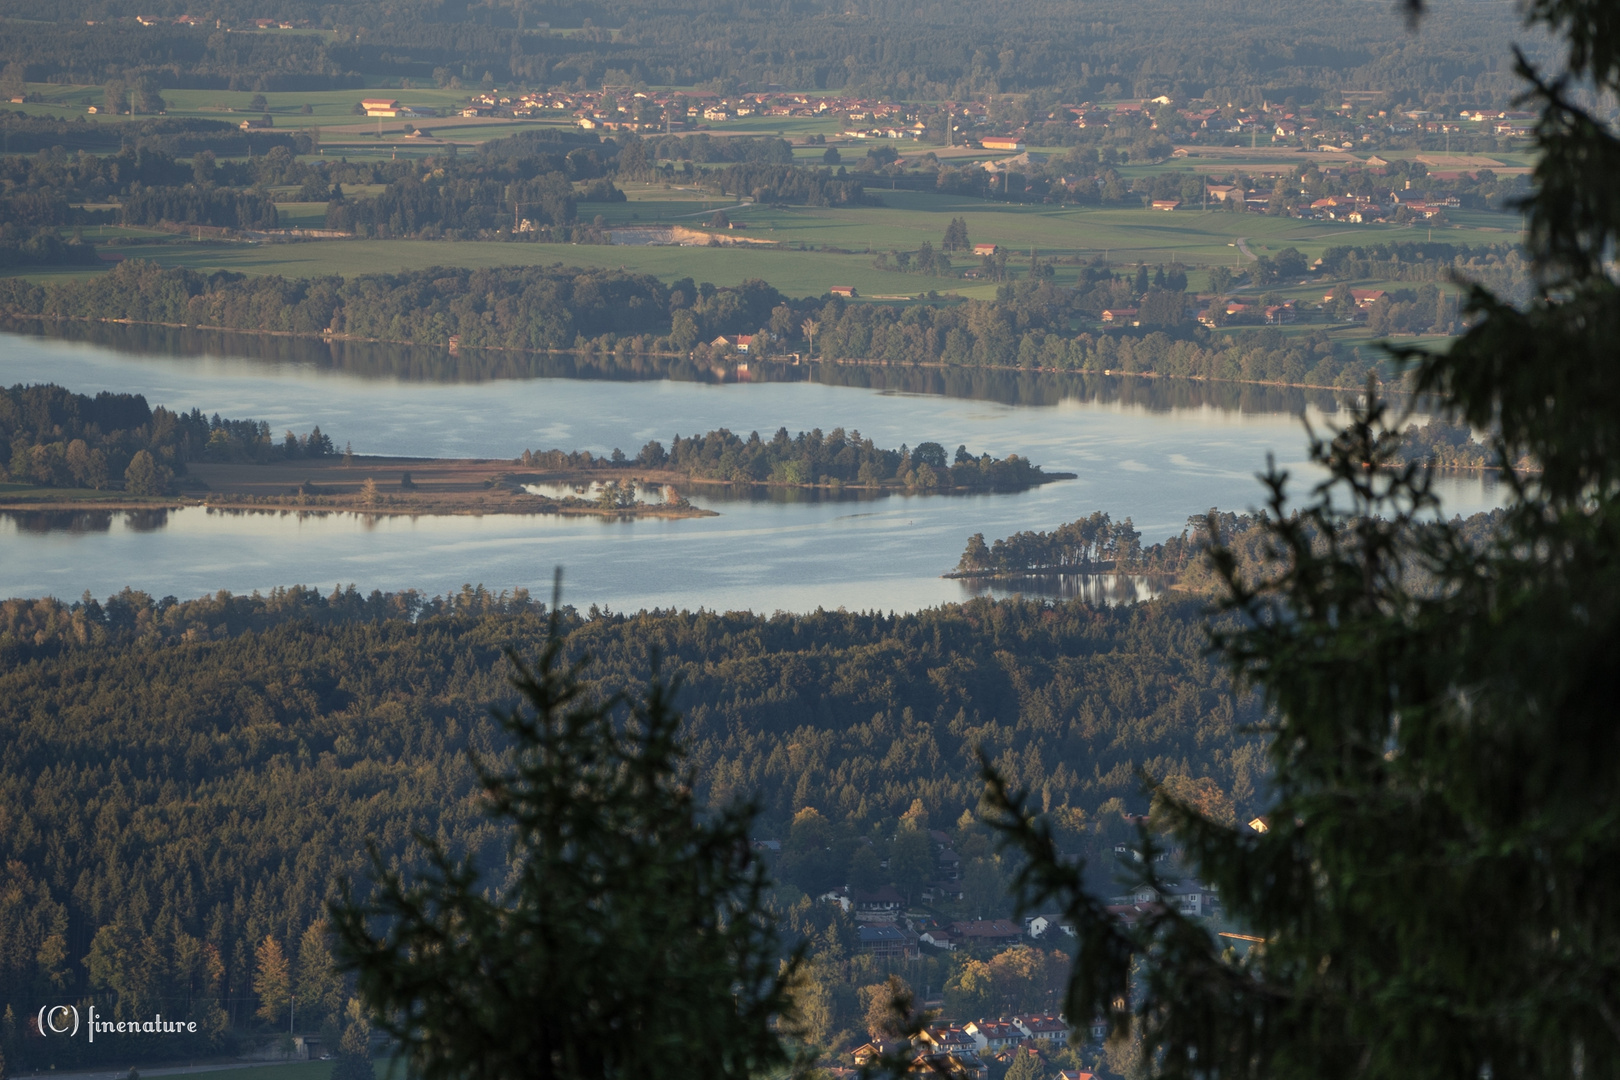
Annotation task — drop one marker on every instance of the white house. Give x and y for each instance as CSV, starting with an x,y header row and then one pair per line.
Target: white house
x,y
1053,1029
993,1034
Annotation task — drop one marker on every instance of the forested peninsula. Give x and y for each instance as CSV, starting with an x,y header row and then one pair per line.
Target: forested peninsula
x,y
1097,544
72,451
69,450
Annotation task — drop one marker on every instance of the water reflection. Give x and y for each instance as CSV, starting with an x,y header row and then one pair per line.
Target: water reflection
x,y
1152,450
85,522
1092,588
75,522
145,521
425,364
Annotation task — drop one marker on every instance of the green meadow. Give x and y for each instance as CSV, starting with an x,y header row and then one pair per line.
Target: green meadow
x,y
815,248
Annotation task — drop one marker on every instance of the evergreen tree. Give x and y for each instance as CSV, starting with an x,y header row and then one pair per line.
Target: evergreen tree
x,y
319,987
272,980
631,936
354,1049
1026,1066
1432,893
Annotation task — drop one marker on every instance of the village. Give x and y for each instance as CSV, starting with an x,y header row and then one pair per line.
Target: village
x,y
890,929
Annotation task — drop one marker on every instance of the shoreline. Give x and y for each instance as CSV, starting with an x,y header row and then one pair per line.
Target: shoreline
x,y
437,487
786,360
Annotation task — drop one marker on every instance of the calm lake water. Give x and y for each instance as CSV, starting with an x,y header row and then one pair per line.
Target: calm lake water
x,y
1151,450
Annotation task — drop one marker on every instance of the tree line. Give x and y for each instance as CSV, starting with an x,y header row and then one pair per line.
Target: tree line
x,y
56,438
562,308
982,333
836,458
522,177
1098,544
791,184
195,204
172,135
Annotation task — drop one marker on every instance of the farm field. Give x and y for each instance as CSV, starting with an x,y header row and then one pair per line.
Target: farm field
x,y
1124,236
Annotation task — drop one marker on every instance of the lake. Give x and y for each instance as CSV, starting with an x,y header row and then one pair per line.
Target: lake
x,y
1156,451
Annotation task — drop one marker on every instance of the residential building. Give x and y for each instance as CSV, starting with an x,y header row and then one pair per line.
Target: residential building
x,y
867,1053
887,940
1052,1029
1364,298
886,904
948,1039
1039,926
1191,898
994,1035
986,932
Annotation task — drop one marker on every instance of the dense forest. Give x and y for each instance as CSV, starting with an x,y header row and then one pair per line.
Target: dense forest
x,y
197,205
24,133
788,184
56,438
181,781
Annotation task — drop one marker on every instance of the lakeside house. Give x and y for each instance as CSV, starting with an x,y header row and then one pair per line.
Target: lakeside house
x,y
736,342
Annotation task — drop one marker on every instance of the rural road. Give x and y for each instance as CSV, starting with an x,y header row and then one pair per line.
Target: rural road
x,y
1243,246
717,209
